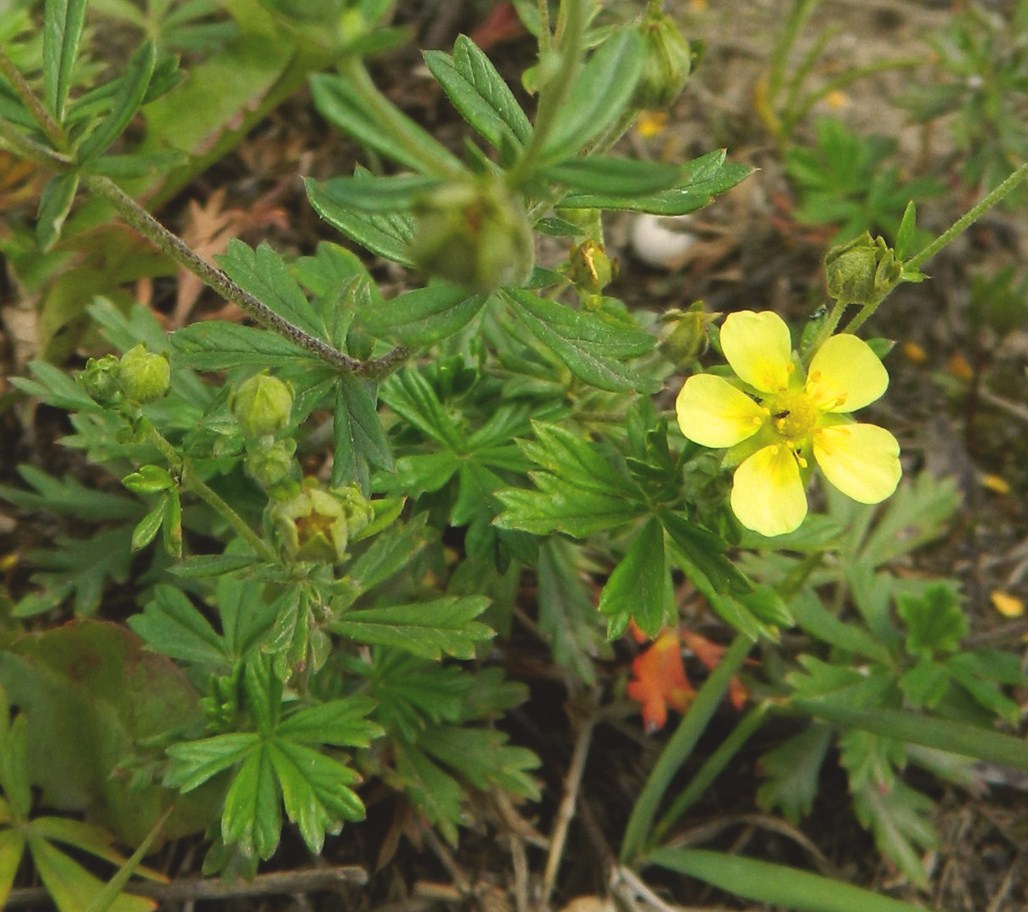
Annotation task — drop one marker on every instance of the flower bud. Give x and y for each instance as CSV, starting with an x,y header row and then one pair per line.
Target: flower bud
x,y
272,466
666,65
101,379
863,270
475,234
688,337
144,376
590,268
262,405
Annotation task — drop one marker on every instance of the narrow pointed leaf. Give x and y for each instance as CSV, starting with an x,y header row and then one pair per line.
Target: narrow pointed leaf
x,y
135,82
62,30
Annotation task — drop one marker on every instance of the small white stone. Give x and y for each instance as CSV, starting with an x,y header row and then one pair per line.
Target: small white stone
x,y
661,241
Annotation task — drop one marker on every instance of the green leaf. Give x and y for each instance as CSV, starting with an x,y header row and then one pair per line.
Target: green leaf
x,y
558,507
432,791
199,566
423,316
342,723
934,619
638,587
214,345
479,93
344,108
906,233
387,235
900,819
54,206
774,884
792,773
71,887
698,183
14,772
148,527
358,434
613,176
426,629
567,615
706,552
93,689
366,192
264,274
149,479
412,397
818,621
171,625
67,497
252,817
78,569
55,387
484,758
134,83
616,66
12,848
62,30
194,762
588,346
315,791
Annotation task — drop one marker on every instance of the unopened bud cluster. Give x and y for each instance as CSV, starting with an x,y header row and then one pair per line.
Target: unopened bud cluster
x,y
138,377
861,271
317,523
666,66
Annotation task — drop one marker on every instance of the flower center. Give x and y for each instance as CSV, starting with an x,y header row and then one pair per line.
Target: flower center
x,y
793,415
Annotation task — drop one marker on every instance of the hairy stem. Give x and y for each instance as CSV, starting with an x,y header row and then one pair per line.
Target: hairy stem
x,y
49,126
170,244
552,95
958,227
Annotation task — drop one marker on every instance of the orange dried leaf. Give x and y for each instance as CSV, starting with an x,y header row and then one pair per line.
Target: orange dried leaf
x,y
659,681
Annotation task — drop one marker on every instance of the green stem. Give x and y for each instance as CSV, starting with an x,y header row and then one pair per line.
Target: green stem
x,y
968,218
50,127
677,751
712,768
195,485
958,227
780,55
170,244
432,157
555,91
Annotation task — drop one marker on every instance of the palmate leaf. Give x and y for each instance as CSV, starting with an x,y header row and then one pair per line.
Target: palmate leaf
x,y
426,629
71,887
792,772
483,757
360,441
171,625
900,819
424,315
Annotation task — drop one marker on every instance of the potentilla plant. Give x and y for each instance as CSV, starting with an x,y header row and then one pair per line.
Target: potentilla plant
x,y
340,494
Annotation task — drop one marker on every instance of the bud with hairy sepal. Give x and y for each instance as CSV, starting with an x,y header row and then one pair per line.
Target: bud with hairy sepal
x,y
591,268
666,66
143,375
262,405
862,270
101,379
273,467
474,233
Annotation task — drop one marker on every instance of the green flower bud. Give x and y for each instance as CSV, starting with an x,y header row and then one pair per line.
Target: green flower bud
x,y
317,523
262,405
666,66
863,270
688,337
145,376
272,467
591,268
101,379
475,234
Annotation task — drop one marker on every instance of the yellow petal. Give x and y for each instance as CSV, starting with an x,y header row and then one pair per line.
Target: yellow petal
x,y
714,413
1010,606
768,495
759,349
861,460
845,375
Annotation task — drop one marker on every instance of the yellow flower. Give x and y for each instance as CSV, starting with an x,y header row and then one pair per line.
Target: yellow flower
x,y
772,418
